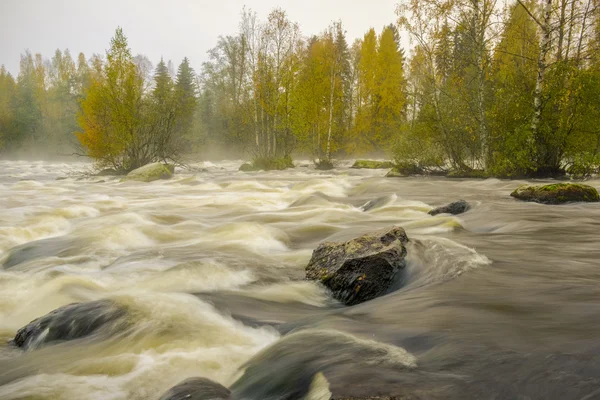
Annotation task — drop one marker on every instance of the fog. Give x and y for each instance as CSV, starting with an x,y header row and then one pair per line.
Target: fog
x,y
175,29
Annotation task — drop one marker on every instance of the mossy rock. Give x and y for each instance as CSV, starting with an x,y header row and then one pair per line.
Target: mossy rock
x,y
470,174
405,168
197,389
150,172
372,164
324,165
246,167
360,269
394,173
557,193
268,164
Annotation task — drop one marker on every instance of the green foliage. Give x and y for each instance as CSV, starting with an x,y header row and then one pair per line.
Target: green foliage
x,y
511,92
122,125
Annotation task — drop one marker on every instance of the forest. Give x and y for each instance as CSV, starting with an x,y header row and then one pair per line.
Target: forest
x,y
484,88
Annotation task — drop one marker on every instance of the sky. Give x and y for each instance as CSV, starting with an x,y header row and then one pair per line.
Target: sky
x,y
173,29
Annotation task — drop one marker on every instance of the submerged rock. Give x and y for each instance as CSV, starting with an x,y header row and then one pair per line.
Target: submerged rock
x,y
197,389
557,193
73,321
378,202
151,172
51,247
360,269
372,164
458,207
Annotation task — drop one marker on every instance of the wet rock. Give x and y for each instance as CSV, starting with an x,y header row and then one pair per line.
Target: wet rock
x,y
558,193
197,389
324,165
73,321
171,168
468,173
366,398
109,172
246,167
151,172
458,207
393,173
372,164
360,269
51,247
378,202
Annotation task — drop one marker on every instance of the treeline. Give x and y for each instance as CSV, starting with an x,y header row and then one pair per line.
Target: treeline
x,y
515,92
504,90
271,90
129,118
105,102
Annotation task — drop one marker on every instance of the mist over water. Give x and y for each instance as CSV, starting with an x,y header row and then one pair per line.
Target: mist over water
x,y
501,302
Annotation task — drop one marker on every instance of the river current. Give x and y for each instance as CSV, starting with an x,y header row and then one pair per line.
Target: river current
x,y
502,302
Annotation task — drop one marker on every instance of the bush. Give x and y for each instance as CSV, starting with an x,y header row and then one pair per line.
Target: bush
x,y
407,168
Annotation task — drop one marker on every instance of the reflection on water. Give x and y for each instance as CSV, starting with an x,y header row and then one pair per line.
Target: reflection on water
x,y
502,302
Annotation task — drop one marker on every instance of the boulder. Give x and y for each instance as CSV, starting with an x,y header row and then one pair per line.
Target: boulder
x,y
73,321
151,172
60,246
378,202
468,173
108,172
371,164
557,193
197,389
246,167
394,173
324,165
458,207
360,269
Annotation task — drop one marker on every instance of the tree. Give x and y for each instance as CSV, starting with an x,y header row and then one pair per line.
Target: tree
x,y
186,97
28,111
7,118
513,78
121,125
390,89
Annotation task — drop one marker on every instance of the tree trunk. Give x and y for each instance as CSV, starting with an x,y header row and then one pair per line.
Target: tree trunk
x,y
561,29
541,72
582,34
331,90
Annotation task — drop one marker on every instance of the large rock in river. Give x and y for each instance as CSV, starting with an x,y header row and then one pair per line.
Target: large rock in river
x,y
458,207
362,268
197,389
151,172
372,164
73,321
557,193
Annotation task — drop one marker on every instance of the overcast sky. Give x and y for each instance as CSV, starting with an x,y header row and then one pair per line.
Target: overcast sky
x,y
170,28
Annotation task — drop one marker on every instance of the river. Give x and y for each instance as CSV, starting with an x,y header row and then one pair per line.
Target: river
x,y
502,302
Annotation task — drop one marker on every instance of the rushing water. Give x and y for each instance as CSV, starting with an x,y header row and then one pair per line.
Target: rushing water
x,y
502,302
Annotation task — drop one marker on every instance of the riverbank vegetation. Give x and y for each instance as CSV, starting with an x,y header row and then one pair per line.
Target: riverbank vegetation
x,y
483,88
